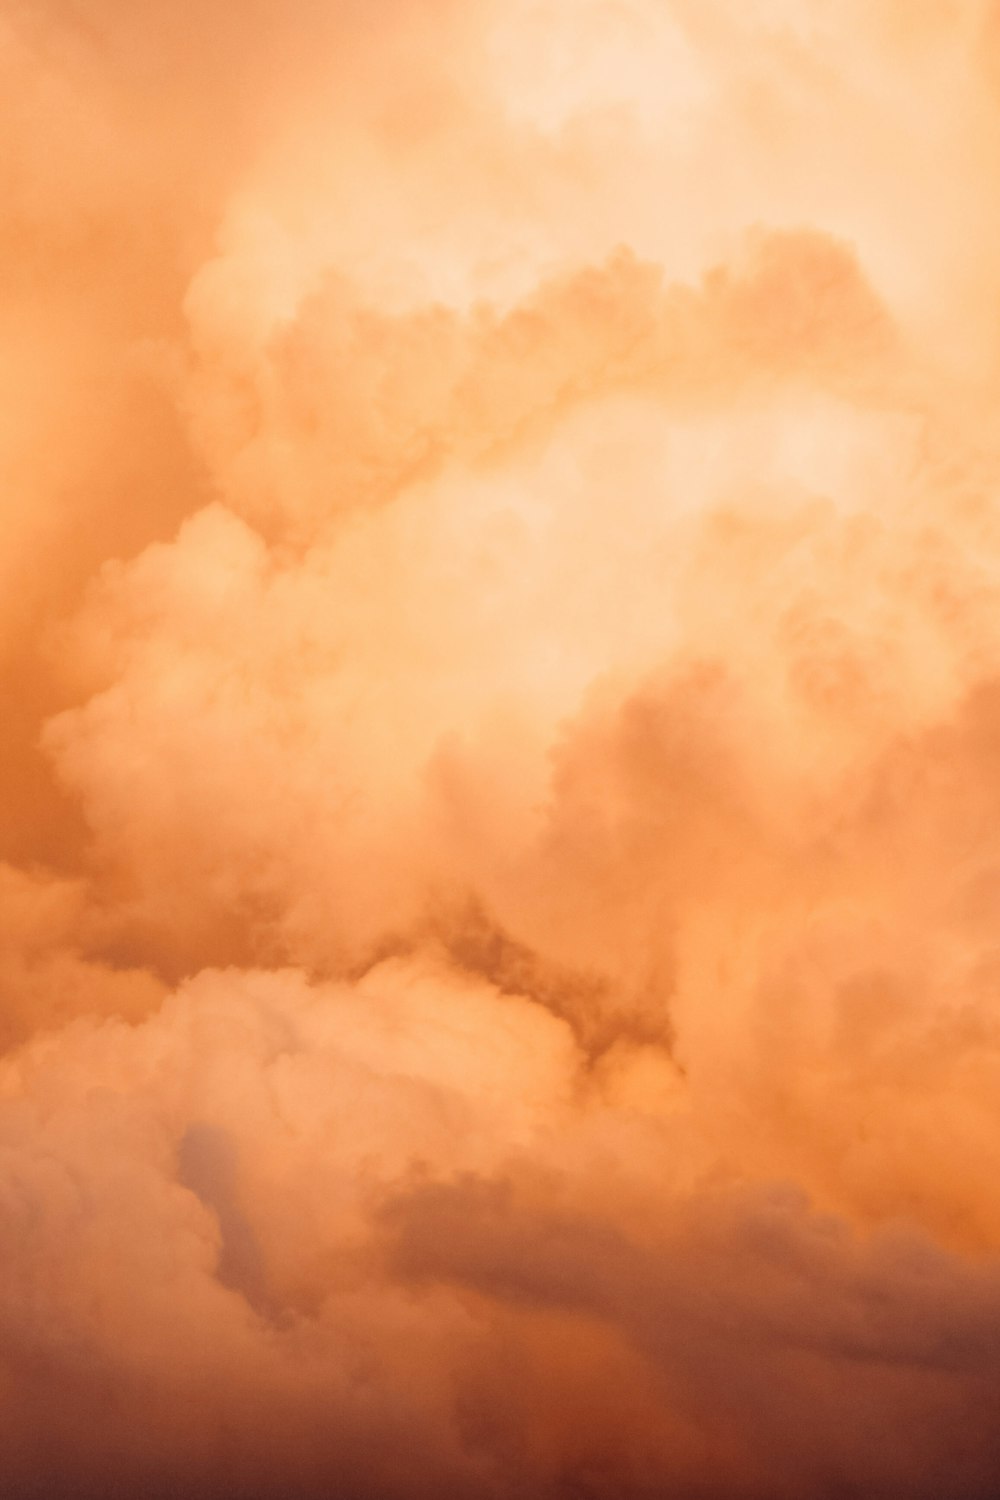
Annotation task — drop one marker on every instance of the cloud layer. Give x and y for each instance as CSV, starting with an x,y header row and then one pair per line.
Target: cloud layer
x,y
500,835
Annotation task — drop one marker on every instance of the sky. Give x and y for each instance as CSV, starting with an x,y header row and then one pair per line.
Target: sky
x,y
500,743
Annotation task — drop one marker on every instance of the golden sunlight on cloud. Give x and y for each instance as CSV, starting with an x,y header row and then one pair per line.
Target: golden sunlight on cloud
x,y
500,825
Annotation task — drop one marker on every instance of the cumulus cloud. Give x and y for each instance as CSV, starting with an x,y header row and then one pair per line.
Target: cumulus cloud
x,y
499,573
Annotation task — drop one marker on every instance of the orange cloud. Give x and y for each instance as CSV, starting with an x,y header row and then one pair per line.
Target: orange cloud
x,y
498,853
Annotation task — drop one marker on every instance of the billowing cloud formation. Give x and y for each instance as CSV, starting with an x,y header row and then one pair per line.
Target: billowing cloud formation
x,y
500,836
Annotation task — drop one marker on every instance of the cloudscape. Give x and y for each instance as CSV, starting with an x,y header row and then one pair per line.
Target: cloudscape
x,y
500,814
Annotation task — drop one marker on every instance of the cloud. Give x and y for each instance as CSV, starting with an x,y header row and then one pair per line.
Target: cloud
x,y
499,649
